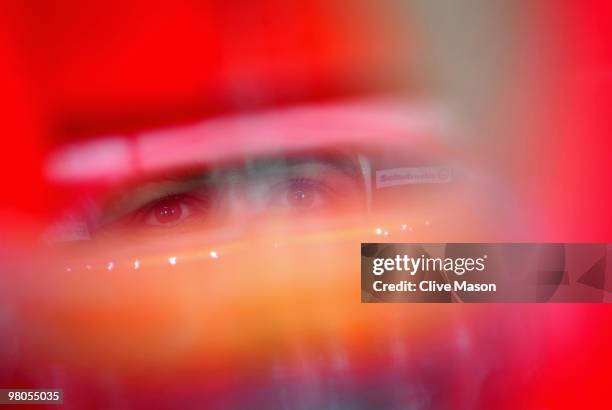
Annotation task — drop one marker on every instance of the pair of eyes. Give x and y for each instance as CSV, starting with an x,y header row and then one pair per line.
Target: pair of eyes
x,y
297,195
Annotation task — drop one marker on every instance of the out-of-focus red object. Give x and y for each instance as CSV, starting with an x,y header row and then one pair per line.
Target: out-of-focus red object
x,y
77,69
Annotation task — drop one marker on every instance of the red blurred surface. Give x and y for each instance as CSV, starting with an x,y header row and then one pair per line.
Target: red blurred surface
x,y
78,68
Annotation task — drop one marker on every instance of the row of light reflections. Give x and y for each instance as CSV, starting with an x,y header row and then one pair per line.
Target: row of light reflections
x,y
136,264
380,231
213,254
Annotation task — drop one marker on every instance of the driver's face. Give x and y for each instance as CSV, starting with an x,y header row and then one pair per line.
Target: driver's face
x,y
284,186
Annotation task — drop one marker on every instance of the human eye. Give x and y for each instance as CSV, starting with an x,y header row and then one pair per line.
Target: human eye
x,y
308,183
302,194
162,211
170,211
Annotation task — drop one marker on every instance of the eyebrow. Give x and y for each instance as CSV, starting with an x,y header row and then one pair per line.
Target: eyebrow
x,y
338,160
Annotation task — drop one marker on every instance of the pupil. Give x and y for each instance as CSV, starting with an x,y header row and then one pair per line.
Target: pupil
x,y
168,211
300,196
